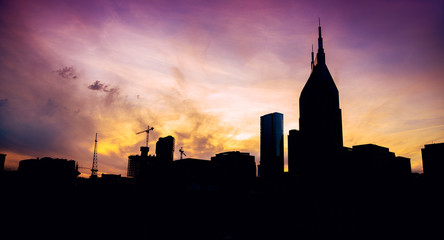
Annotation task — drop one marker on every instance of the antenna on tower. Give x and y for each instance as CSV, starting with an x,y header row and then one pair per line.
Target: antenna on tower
x,y
94,168
182,153
147,131
312,57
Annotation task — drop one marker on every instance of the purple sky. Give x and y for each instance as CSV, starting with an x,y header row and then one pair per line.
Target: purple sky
x,y
205,71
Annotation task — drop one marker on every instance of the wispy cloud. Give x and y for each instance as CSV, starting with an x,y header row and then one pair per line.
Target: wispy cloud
x,y
66,72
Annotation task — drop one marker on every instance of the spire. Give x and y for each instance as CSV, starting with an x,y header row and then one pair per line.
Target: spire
x,y
320,43
320,56
312,57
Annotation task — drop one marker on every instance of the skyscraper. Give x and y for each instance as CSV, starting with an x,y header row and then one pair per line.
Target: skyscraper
x,y
313,149
272,145
320,118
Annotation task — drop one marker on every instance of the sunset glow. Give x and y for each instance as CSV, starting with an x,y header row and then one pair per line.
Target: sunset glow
x,y
205,71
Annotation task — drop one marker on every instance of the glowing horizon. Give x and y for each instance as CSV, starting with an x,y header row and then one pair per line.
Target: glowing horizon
x,y
205,72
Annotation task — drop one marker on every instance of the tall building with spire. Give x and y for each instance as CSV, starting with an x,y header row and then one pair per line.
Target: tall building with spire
x,y
320,119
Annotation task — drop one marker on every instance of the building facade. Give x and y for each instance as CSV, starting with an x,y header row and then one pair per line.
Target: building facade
x,y
2,161
433,160
165,149
295,143
272,145
234,166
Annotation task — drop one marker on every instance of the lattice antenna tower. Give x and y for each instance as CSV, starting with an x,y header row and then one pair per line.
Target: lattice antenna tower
x,y
94,168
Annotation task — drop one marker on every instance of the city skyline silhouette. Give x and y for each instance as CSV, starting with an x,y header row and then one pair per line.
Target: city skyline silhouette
x,y
204,72
331,189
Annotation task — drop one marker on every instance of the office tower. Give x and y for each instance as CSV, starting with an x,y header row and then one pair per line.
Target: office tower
x,y
320,118
320,122
433,160
165,149
294,148
272,145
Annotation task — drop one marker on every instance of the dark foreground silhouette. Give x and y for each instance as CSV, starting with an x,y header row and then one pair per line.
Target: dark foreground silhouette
x,y
208,206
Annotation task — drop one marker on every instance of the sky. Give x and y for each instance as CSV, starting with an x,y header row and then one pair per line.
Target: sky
x,y
205,71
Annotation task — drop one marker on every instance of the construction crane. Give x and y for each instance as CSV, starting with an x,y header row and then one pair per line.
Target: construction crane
x,y
94,168
147,131
182,153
